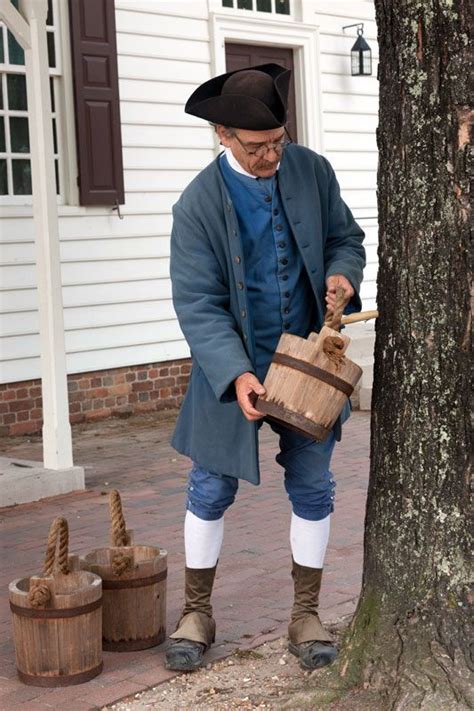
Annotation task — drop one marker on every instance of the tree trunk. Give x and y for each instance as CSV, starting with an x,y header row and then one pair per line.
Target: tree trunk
x,y
409,637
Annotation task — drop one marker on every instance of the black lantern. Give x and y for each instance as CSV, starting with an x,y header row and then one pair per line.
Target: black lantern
x,y
361,54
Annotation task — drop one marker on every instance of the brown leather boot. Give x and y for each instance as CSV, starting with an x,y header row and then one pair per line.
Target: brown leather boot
x,y
196,628
308,640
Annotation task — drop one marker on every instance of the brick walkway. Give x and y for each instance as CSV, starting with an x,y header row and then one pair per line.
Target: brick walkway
x,y
253,587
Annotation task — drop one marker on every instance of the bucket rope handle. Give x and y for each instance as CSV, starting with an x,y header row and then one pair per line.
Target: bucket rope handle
x,y
121,562
39,593
333,318
333,346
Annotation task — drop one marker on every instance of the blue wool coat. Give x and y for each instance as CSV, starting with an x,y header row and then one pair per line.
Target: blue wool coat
x,y
209,295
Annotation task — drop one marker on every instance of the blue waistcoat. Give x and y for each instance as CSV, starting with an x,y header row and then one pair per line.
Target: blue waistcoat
x,y
279,293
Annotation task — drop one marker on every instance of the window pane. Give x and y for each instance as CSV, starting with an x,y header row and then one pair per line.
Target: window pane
x,y
16,84
51,50
51,88
282,7
227,3
21,177
1,93
2,53
3,177
19,135
2,135
244,4
264,5
15,53
55,137
56,169
50,18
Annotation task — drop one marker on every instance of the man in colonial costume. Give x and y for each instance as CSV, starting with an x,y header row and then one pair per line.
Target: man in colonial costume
x,y
261,241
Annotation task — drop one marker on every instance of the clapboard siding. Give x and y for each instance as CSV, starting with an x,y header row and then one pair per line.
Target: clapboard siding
x,y
349,115
116,287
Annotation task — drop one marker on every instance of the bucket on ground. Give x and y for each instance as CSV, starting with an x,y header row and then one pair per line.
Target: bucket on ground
x,y
57,618
134,587
310,379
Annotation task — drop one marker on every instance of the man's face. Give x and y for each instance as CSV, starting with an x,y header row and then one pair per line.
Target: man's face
x,y
242,143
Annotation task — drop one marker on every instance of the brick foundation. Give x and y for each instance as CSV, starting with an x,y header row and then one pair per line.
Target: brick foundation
x,y
94,396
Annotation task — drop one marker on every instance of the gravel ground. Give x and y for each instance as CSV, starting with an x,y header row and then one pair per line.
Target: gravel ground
x,y
268,677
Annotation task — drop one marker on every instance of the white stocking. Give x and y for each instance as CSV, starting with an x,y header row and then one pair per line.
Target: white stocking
x,y
202,541
309,540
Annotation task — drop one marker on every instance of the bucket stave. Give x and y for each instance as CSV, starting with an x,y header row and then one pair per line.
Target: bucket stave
x,y
57,620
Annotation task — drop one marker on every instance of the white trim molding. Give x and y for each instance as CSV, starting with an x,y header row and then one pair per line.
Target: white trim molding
x,y
303,39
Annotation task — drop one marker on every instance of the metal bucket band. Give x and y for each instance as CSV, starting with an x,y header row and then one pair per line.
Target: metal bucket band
x,y
63,680
314,371
57,613
134,582
292,420
134,645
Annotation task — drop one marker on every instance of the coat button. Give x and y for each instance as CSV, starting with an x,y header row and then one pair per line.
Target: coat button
x,y
284,261
279,228
284,277
237,259
240,285
286,310
268,198
243,313
276,212
286,325
287,294
281,244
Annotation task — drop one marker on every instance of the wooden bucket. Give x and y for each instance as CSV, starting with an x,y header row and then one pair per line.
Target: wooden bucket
x,y
310,380
57,619
134,588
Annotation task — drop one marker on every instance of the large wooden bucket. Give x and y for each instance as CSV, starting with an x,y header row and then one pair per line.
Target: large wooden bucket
x,y
309,381
57,619
134,588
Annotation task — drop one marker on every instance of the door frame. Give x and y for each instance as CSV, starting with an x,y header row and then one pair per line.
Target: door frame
x,y
303,39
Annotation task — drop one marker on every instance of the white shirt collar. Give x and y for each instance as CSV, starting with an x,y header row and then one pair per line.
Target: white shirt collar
x,y
234,163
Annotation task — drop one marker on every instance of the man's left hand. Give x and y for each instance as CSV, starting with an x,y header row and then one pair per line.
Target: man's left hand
x,y
333,283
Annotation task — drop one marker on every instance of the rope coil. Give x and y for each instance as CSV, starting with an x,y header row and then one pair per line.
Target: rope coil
x,y
118,530
333,318
59,531
122,561
333,346
56,559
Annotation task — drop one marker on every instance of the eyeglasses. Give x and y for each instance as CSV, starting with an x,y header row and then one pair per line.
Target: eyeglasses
x,y
262,150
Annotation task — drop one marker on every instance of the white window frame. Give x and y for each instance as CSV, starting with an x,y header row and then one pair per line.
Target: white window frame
x,y
62,77
248,27
217,6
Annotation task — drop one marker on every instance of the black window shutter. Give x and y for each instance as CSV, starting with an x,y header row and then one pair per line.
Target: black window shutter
x,y
97,102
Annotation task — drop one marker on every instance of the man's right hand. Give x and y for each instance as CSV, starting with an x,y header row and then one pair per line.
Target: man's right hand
x,y
247,387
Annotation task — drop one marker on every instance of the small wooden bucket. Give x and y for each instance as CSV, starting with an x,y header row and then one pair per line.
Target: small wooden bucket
x,y
57,619
134,585
310,380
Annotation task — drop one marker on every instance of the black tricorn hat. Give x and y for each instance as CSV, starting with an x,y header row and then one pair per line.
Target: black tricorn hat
x,y
254,98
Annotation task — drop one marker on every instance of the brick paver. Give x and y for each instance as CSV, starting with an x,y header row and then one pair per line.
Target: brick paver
x,y
253,588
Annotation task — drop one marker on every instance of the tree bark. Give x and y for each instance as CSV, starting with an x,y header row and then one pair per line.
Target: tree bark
x,y
409,636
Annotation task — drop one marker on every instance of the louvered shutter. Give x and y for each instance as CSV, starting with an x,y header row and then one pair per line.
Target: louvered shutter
x,y
97,103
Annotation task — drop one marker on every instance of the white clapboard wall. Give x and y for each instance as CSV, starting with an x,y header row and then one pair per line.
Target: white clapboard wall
x,y
116,287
